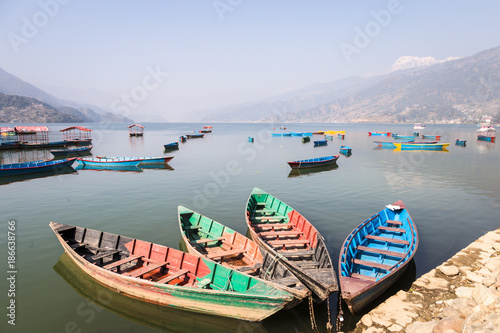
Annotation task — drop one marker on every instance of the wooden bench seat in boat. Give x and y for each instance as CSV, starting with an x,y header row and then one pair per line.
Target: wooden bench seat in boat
x,y
271,225
104,254
391,229
145,269
225,253
394,222
76,246
380,251
268,218
207,240
123,261
306,263
288,242
173,276
281,233
363,277
388,240
300,253
372,264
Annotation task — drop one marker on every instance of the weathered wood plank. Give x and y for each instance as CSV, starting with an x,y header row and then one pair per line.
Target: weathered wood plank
x,y
363,277
288,242
299,253
104,255
145,269
380,251
225,253
394,222
173,276
281,233
271,225
388,240
372,264
207,240
123,261
391,229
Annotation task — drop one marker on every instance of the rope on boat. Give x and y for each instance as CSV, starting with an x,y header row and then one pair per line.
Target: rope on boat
x,y
228,283
311,315
329,326
340,315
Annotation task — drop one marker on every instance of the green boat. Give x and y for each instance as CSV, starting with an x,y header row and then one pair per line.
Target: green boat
x,y
212,240
168,277
285,233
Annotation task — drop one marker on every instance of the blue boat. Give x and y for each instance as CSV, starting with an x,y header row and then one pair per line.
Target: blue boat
x,y
345,150
421,146
250,139
341,136
314,162
35,167
171,146
460,142
375,254
307,134
287,134
390,144
320,143
296,133
82,151
431,137
276,134
182,138
122,161
486,133
329,137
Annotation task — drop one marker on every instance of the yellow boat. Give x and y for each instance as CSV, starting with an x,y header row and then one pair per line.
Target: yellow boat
x,y
334,132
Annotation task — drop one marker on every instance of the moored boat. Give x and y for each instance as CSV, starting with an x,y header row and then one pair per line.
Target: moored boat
x,y
195,136
420,146
212,240
405,137
419,126
375,254
320,143
82,151
334,132
182,138
168,277
431,137
390,144
296,133
171,146
486,133
35,167
136,130
314,162
123,161
306,139
250,139
460,142
286,234
345,150
379,133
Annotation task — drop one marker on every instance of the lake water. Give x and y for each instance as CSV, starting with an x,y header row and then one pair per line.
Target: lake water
x,y
453,197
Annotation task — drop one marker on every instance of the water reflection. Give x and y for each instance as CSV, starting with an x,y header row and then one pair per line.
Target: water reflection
x,y
165,319
59,170
311,171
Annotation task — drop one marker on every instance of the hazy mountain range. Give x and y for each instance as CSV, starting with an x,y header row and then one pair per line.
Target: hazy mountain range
x,y
417,90
24,103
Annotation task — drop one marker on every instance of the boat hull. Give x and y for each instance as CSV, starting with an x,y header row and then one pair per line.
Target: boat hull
x,y
486,138
311,265
230,248
195,136
35,167
421,146
314,163
238,305
320,143
375,254
379,133
72,152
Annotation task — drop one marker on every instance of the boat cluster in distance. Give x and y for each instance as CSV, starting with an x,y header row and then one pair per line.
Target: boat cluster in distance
x,y
283,261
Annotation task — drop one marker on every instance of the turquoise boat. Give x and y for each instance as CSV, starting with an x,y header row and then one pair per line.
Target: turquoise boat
x,y
168,277
35,167
406,137
375,254
420,146
320,143
122,161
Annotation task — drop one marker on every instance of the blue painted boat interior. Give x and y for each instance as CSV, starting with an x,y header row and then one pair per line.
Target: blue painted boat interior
x,y
402,252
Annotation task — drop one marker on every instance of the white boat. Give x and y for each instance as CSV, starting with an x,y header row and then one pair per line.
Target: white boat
x,y
419,126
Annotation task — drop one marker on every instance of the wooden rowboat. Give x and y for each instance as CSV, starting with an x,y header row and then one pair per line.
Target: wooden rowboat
x,y
212,240
195,136
35,167
314,162
379,133
169,277
375,255
82,151
420,146
123,161
285,233
320,143
171,146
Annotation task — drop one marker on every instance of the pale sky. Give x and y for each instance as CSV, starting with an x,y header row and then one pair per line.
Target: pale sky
x,y
169,57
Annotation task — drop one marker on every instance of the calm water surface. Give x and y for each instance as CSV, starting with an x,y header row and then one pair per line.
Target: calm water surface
x,y
453,197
